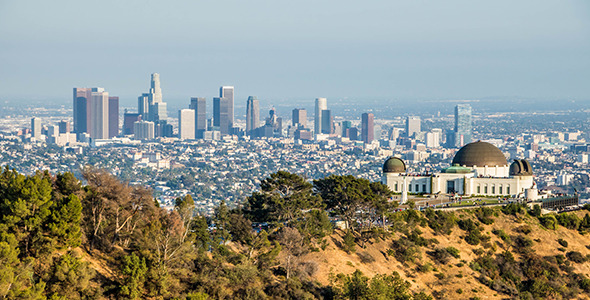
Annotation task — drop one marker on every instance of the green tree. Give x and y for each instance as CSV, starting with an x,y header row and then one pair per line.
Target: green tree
x,y
134,271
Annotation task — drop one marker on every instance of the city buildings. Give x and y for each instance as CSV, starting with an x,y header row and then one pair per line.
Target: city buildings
x,y
92,113
299,118
199,105
128,120
186,124
367,128
252,115
321,104
327,122
413,126
461,135
113,116
144,130
223,110
36,127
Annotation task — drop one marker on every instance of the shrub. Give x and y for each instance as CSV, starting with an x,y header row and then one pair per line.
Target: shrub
x,y
513,209
441,255
562,242
525,229
585,284
548,221
453,251
536,211
484,215
440,221
405,250
576,257
501,234
348,242
569,221
366,257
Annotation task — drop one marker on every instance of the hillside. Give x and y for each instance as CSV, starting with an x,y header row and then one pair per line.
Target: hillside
x,y
61,239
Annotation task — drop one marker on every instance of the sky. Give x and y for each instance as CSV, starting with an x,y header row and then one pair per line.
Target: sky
x,y
303,49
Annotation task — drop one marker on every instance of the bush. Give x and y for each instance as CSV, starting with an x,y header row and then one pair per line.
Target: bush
x,y
454,252
513,209
348,242
576,257
441,255
405,250
569,221
484,215
536,211
440,221
562,242
548,221
585,284
501,234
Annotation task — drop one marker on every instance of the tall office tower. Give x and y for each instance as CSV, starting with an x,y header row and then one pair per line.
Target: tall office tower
x,y
128,120
462,125
99,114
223,109
144,130
432,139
155,90
252,115
113,116
81,111
327,122
64,127
143,106
346,125
199,105
186,124
150,105
368,128
320,105
412,125
299,117
36,127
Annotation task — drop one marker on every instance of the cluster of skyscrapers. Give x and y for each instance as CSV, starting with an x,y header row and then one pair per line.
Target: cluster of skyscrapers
x,y
96,116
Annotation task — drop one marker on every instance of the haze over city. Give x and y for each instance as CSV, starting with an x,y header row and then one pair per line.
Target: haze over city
x,y
277,50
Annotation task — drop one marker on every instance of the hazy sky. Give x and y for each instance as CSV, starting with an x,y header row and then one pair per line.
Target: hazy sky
x,y
297,49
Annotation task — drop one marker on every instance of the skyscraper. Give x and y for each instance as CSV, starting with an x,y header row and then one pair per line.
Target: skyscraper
x,y
128,120
144,130
327,124
320,105
64,126
199,105
186,124
299,117
412,125
252,115
113,116
91,112
368,129
462,125
36,127
150,105
223,109
99,114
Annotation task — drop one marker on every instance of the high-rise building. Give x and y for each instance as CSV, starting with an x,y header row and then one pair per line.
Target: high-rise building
x,y
223,110
368,129
113,116
144,130
199,105
99,114
327,124
346,125
64,127
36,127
128,120
299,118
320,105
412,126
186,124
462,130
91,112
150,105
252,115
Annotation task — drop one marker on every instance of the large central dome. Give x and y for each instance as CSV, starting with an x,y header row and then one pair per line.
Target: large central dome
x,y
480,154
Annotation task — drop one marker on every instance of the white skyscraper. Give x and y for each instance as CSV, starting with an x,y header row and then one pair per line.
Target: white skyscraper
x,y
99,114
36,127
186,124
321,104
144,130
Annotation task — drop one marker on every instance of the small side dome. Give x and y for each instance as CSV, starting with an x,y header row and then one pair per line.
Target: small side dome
x,y
394,165
521,167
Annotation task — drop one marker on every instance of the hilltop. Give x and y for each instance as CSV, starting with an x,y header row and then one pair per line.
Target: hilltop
x,y
105,239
